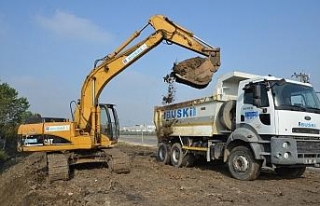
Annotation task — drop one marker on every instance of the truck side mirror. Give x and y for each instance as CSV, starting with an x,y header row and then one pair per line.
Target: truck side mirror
x,y
257,102
257,95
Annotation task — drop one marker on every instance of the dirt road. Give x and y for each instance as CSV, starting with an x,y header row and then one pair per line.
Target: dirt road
x,y
151,183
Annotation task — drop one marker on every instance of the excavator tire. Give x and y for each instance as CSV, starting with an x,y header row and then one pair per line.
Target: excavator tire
x,y
227,114
118,162
58,167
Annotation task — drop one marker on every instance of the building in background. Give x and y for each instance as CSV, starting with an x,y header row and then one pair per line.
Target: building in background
x,y
138,129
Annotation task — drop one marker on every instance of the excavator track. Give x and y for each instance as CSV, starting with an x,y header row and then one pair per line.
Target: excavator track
x,y
58,167
118,162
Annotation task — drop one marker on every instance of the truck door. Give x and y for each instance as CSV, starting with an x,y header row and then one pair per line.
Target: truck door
x,y
109,121
257,110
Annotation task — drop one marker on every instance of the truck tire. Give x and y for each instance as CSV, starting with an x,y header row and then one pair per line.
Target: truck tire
x,y
287,172
163,153
242,165
227,114
176,155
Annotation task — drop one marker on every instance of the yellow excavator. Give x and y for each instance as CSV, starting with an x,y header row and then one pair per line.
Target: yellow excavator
x,y
94,129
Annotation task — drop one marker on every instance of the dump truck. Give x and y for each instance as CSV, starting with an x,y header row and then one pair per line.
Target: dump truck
x,y
250,122
94,129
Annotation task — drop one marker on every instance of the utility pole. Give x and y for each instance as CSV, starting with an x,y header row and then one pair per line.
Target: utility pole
x,y
141,128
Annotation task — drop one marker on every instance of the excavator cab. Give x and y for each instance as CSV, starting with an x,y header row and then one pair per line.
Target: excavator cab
x,y
109,121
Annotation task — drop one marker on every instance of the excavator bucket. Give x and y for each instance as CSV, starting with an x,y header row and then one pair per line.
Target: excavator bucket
x,y
196,72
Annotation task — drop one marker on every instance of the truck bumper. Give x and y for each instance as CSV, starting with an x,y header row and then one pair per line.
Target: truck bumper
x,y
295,151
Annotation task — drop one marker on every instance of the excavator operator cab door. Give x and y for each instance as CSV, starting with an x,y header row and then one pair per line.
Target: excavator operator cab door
x,y
109,121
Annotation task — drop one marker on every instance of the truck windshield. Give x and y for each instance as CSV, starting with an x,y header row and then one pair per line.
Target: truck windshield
x,y
289,96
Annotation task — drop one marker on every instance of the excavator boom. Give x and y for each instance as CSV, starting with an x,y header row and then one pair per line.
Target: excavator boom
x,y
193,73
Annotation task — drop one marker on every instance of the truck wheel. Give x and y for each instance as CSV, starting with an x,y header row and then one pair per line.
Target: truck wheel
x,y
163,153
176,155
227,114
293,172
242,164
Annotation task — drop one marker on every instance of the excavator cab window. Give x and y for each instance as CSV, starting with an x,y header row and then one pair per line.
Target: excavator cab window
x,y
109,121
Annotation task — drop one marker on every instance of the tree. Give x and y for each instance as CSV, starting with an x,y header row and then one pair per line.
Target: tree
x,y
13,110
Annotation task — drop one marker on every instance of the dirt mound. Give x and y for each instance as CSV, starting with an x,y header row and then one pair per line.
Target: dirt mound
x,y
151,183
196,72
21,179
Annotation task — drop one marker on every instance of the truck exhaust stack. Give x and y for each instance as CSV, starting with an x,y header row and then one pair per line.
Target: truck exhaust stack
x,y
196,72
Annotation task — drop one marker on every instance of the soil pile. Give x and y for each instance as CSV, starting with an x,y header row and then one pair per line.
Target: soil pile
x,y
196,72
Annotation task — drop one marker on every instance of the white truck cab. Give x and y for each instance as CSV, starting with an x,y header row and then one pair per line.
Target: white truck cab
x,y
284,112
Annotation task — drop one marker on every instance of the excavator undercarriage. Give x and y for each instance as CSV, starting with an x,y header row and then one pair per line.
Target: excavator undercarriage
x,y
59,163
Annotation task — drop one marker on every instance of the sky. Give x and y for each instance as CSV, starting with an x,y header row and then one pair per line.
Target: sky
x,y
47,48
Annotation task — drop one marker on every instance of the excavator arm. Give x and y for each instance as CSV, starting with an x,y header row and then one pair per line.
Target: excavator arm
x,y
86,114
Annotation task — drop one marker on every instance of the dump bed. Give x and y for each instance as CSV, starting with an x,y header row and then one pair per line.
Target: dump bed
x,y
192,118
202,117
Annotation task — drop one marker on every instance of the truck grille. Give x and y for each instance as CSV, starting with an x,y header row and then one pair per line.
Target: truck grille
x,y
305,130
308,148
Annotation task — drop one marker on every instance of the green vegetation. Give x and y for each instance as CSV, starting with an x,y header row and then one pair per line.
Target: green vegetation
x,y
13,111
